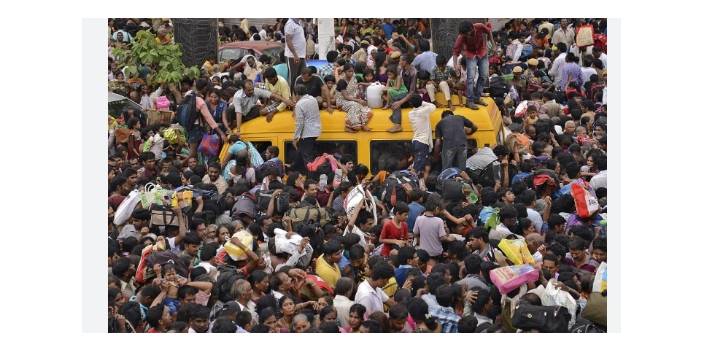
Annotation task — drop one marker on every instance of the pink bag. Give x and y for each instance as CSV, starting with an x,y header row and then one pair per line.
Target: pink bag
x,y
511,277
162,103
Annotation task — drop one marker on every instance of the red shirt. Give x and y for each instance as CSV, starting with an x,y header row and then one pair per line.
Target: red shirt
x,y
390,231
474,44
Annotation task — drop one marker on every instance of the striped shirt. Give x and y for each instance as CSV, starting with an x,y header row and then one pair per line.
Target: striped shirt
x,y
307,123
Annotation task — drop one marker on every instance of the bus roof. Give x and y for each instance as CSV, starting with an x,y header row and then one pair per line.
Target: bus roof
x,y
283,122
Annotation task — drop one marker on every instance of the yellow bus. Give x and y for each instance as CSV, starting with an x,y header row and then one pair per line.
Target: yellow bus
x,y
375,148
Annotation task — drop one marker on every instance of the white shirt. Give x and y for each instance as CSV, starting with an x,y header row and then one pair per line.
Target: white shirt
x,y
603,58
535,219
555,71
298,39
599,180
561,36
586,72
371,298
419,118
499,232
342,304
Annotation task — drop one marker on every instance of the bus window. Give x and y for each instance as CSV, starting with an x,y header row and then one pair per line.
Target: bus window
x,y
337,148
472,143
390,155
261,146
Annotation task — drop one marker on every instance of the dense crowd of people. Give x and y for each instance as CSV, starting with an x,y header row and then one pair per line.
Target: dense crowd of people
x,y
208,233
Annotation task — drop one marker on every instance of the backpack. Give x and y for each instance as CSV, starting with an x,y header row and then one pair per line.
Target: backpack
x,y
282,202
244,204
452,190
394,190
187,112
585,326
486,175
309,214
545,319
498,87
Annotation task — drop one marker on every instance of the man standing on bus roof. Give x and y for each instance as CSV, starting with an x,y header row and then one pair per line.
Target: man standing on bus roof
x,y
471,42
307,127
295,48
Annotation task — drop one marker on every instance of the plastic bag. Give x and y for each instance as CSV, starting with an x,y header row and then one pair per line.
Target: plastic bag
x,y
509,278
516,251
210,145
236,253
283,244
154,194
125,209
553,296
600,283
185,201
586,204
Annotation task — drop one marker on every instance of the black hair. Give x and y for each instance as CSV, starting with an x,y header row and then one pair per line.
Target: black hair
x,y
223,325
481,300
467,324
472,263
600,243
558,249
243,318
331,247
401,207
488,196
154,315
583,232
555,220
120,267
328,327
577,243
186,290
398,311
465,27
356,252
508,212
423,256
300,90
445,295
572,170
329,78
434,281
527,197
382,270
343,286
373,326
332,56
405,254
415,100
132,312
531,299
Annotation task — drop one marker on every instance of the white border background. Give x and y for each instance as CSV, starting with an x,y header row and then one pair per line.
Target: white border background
x,y
58,208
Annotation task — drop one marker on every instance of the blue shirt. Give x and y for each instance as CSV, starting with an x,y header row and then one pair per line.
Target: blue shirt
x,y
401,273
425,61
388,29
415,209
344,262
